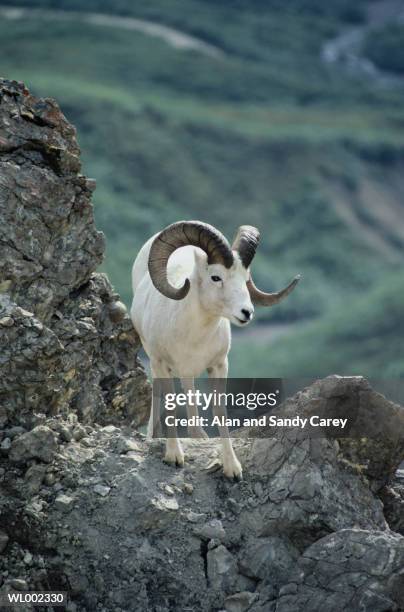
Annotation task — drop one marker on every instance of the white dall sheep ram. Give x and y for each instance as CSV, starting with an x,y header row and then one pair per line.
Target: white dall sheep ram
x,y
188,286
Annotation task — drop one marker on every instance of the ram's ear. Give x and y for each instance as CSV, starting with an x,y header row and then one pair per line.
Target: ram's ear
x,y
201,259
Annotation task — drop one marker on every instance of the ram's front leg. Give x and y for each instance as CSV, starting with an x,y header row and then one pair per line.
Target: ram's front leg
x,y
194,431
231,465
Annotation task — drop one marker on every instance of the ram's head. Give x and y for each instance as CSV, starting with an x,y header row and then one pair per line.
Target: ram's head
x,y
221,272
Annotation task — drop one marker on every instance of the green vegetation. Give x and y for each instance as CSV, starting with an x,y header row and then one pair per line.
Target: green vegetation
x,y
385,47
264,134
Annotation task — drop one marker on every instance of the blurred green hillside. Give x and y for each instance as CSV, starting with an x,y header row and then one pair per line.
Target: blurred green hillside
x,y
254,129
365,336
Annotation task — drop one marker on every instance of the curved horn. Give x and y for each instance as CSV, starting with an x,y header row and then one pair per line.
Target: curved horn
x,y
246,243
269,299
181,234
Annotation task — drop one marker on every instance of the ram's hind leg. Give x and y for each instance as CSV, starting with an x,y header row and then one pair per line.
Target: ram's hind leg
x,y
154,425
231,465
174,454
196,431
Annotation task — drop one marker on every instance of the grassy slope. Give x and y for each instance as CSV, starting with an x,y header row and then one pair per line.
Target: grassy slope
x,y
172,135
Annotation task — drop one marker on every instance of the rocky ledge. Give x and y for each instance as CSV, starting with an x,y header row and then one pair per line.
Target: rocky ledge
x,y
93,510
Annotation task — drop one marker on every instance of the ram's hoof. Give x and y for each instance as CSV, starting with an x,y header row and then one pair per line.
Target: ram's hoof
x,y
233,470
176,459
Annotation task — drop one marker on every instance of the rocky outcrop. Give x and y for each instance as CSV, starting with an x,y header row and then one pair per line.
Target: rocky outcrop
x,y
86,504
93,510
373,441
67,344
348,570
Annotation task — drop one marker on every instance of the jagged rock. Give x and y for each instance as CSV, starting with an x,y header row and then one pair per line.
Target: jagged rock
x,y
28,558
19,584
65,433
239,602
12,432
101,490
378,442
64,503
373,441
5,446
194,517
270,559
54,247
39,443
34,477
30,362
308,492
67,343
212,531
222,569
393,501
79,432
126,445
349,570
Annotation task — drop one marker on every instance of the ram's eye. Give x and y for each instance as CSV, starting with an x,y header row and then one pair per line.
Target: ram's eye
x,y
216,279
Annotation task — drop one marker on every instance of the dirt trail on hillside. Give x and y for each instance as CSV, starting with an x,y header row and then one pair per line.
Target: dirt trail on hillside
x,y
173,37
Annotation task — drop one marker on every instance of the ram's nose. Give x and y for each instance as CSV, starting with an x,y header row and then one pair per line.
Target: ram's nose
x,y
247,314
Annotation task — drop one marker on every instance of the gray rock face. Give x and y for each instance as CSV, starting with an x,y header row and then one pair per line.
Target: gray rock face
x,y
269,559
66,341
349,570
393,501
239,602
306,493
373,443
49,242
64,503
212,531
222,567
39,443
34,477
114,531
